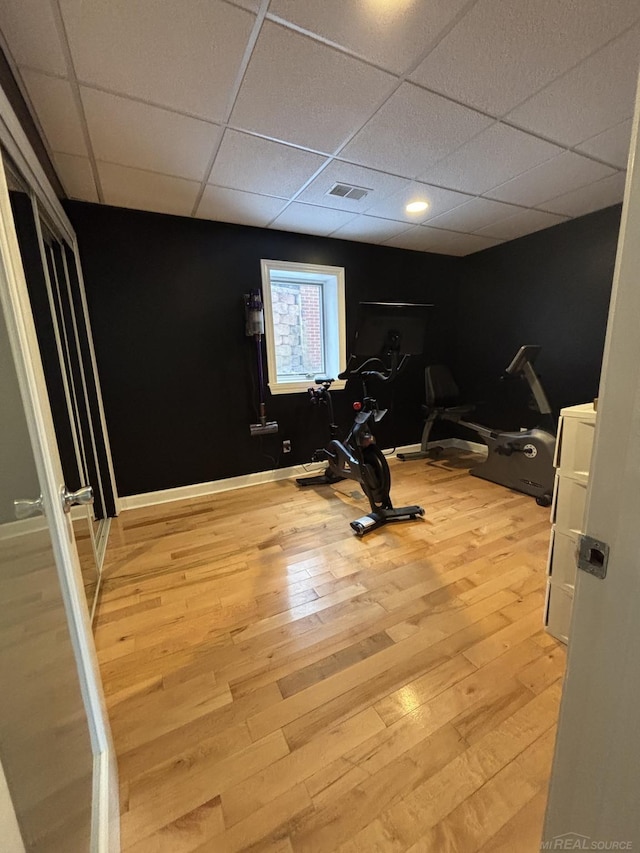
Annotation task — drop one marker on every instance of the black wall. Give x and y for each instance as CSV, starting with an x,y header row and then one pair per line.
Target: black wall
x,y
550,288
178,373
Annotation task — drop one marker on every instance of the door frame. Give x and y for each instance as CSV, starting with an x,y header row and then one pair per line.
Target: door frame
x,y
24,344
595,781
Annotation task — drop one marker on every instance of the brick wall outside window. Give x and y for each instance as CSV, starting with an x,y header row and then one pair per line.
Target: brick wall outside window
x,y
311,318
297,326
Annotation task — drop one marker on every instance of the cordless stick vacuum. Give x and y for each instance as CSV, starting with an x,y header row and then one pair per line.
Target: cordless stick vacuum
x,y
254,314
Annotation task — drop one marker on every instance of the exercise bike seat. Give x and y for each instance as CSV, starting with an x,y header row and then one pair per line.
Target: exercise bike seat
x,y
442,401
453,410
442,392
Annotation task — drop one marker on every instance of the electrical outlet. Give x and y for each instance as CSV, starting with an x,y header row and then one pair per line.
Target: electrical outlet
x,y
286,446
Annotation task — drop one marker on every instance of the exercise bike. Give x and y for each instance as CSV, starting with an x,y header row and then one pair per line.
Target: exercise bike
x,y
397,332
521,460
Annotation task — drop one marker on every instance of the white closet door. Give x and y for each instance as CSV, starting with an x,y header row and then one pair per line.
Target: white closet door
x,y
54,737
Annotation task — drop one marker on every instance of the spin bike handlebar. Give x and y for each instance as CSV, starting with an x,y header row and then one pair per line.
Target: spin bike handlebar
x,y
386,374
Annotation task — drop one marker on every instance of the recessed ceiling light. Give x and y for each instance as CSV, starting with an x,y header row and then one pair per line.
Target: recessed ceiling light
x,y
417,206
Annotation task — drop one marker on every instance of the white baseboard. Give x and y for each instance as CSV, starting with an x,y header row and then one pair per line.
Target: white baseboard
x,y
214,487
460,443
408,448
463,444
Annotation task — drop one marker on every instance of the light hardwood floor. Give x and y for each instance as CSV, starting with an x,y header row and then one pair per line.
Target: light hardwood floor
x,y
276,683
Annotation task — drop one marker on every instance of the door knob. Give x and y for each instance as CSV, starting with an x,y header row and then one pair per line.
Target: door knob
x,y
83,496
28,508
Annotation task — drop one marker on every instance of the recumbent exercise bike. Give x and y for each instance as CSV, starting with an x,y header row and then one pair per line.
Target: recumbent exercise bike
x,y
388,334
520,460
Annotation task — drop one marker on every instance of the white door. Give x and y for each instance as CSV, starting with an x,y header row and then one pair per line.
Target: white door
x,y
594,794
55,748
45,255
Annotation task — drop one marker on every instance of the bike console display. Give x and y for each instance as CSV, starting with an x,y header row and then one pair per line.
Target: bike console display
x,y
385,327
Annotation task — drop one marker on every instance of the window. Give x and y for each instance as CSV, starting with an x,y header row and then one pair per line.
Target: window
x,y
304,324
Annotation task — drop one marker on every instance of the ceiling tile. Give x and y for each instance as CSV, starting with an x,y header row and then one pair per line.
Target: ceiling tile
x,y
420,239
412,130
183,59
124,187
524,222
31,33
473,215
243,208
134,134
592,197
612,145
494,156
392,35
337,172
240,164
467,244
370,229
55,107
566,172
426,239
502,52
185,56
594,96
311,219
76,176
301,91
439,201
251,5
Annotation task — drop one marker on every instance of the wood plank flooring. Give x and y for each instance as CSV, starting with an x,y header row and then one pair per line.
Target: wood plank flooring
x,y
276,683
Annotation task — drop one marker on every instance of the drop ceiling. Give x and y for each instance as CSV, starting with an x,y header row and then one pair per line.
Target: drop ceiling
x,y
506,116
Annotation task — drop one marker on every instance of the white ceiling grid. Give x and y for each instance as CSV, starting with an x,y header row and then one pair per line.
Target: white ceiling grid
x,y
508,117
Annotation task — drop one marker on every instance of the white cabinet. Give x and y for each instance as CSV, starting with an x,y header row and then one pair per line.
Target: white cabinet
x,y
572,462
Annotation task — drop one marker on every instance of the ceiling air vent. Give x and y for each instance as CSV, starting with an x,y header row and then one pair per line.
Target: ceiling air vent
x,y
347,191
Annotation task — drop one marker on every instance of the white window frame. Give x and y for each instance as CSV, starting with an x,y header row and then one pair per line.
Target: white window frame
x,y
334,334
